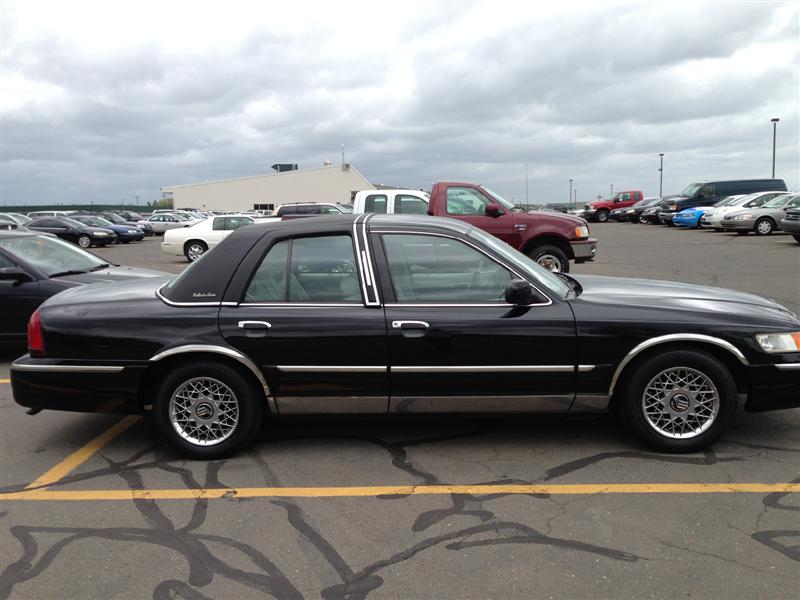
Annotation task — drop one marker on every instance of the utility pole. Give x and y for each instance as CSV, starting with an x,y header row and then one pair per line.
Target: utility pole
x,y
575,204
570,194
612,190
774,135
661,175
137,200
526,185
342,153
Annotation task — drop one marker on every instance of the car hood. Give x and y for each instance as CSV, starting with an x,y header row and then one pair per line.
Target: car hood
x,y
110,275
666,295
573,220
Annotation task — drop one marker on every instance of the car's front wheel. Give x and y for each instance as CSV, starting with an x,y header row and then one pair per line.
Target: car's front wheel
x,y
84,241
764,226
552,258
194,249
208,410
679,401
602,216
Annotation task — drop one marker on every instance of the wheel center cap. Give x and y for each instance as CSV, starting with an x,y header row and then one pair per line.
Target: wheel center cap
x,y
679,402
204,410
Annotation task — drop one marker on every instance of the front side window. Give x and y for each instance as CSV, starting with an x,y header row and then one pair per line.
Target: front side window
x,y
410,205
313,269
426,268
219,224
466,201
375,203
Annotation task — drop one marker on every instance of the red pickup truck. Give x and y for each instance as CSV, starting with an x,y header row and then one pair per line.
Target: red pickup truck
x,y
551,239
598,211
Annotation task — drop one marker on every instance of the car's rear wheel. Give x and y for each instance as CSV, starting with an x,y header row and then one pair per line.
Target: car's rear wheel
x,y
194,249
551,258
764,226
208,410
602,216
679,401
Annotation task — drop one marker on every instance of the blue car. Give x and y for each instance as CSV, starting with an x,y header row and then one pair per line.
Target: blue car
x,y
690,217
125,233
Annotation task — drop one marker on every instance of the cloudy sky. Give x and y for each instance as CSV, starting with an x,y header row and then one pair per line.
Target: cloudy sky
x,y
103,101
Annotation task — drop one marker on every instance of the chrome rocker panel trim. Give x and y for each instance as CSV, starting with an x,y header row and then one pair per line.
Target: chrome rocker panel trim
x,y
68,368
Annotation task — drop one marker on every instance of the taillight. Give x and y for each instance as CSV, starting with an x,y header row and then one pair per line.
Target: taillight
x,y
35,339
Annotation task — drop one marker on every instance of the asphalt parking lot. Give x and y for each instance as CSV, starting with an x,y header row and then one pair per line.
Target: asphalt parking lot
x,y
96,507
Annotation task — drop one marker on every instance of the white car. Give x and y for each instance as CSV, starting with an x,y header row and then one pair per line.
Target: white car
x,y
163,222
192,242
712,218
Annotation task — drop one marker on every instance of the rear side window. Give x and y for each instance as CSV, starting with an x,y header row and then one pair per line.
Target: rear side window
x,y
313,269
375,203
410,205
219,223
232,223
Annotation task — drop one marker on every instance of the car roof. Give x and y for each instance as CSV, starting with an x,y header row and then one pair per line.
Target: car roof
x,y
17,233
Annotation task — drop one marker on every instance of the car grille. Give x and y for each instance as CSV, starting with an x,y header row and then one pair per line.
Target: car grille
x,y
792,217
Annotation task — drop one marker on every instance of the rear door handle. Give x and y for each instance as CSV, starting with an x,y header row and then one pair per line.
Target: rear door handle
x,y
411,328
255,328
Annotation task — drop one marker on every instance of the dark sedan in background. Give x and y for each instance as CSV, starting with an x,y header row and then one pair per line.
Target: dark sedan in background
x,y
125,233
399,314
35,266
632,213
120,220
791,223
74,231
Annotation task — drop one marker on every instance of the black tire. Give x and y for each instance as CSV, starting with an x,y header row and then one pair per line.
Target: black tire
x,y
796,237
742,232
194,249
764,226
126,242
643,221
551,258
632,398
248,397
601,216
84,241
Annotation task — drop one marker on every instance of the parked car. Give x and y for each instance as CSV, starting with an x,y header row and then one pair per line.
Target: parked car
x,y
7,224
35,266
713,217
764,219
791,223
130,216
161,222
73,231
120,220
38,214
404,314
599,211
391,202
707,194
632,213
192,242
691,217
18,218
307,209
551,239
125,233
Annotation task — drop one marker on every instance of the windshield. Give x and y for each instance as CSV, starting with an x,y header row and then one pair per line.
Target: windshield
x,y
523,263
181,217
51,255
726,201
114,218
500,199
72,222
345,208
691,189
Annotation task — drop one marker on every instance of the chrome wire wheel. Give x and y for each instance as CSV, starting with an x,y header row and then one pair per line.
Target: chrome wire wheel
x,y
204,411
680,403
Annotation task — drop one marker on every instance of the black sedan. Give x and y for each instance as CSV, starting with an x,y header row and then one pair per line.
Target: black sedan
x,y
74,231
633,213
119,220
35,266
404,314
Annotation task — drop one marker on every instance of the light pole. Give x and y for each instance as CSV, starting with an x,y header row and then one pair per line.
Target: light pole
x,y
526,186
570,194
661,175
137,200
774,134
575,205
612,190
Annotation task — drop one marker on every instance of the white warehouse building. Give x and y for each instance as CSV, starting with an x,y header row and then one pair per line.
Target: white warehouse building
x,y
329,183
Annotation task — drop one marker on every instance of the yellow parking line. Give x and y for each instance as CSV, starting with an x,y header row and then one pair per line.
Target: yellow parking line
x,y
406,490
82,454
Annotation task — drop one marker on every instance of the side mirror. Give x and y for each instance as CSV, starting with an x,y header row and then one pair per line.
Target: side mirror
x,y
14,274
492,210
520,293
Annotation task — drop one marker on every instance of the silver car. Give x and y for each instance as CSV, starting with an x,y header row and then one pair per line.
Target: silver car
x,y
713,217
764,219
163,222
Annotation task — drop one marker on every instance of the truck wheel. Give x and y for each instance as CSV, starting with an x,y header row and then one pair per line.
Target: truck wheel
x,y
602,216
551,258
679,401
194,249
208,410
764,226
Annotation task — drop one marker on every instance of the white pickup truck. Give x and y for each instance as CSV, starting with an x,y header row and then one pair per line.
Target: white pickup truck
x,y
406,202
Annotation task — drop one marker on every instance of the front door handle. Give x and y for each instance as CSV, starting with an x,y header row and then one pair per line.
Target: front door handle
x,y
411,328
255,328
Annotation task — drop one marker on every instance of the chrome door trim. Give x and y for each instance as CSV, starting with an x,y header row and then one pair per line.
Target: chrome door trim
x,y
168,302
674,337
67,368
332,368
225,351
789,366
479,249
291,405
369,287
554,403
485,369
